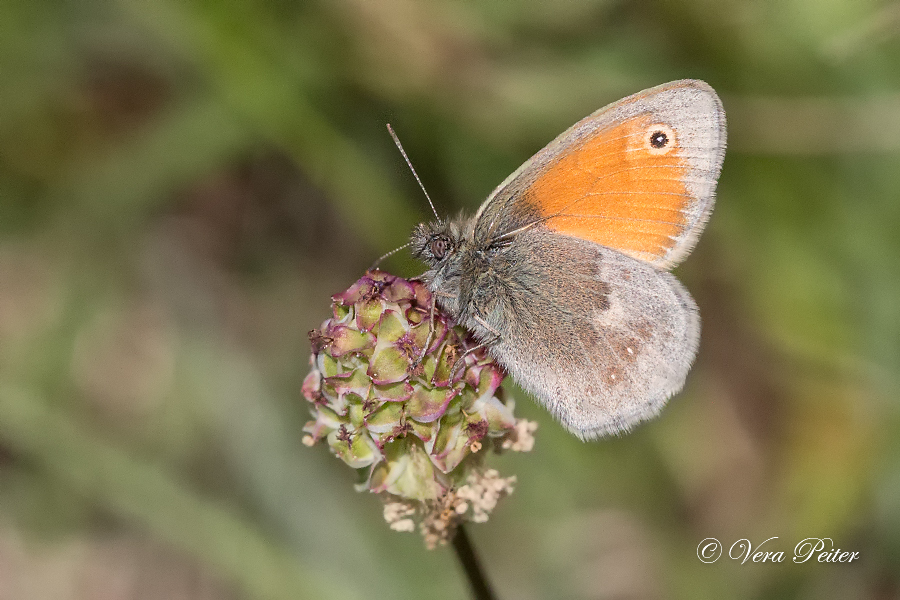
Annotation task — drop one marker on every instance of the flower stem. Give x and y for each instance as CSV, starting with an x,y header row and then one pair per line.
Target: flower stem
x,y
481,589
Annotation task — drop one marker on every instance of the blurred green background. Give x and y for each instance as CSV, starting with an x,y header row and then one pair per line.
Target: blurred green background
x,y
183,184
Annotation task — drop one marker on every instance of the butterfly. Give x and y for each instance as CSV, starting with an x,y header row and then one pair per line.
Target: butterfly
x,y
563,272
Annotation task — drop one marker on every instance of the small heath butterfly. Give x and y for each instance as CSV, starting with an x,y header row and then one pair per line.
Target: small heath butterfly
x,y
563,271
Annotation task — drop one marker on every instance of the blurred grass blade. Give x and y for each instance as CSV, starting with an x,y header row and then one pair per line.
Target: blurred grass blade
x,y
273,102
146,494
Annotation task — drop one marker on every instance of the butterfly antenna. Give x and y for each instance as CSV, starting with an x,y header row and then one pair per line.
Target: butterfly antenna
x,y
394,251
416,175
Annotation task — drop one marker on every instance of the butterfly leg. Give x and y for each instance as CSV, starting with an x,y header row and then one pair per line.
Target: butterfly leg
x,y
442,294
430,337
493,340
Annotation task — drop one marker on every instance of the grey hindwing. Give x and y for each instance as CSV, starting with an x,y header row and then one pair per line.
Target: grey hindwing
x,y
601,339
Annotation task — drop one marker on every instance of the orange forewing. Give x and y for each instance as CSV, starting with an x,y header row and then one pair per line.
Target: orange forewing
x,y
614,189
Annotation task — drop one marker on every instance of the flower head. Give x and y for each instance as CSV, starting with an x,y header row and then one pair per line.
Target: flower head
x,y
411,401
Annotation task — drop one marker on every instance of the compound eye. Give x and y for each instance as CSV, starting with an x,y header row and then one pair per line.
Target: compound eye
x,y
439,247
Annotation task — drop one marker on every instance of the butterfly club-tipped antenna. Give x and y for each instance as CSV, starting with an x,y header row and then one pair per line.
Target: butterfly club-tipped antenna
x,y
416,175
411,168
384,256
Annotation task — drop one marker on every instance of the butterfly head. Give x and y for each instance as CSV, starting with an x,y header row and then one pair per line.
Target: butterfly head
x,y
442,245
436,243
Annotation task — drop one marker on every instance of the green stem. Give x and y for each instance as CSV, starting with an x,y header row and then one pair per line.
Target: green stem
x,y
481,589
